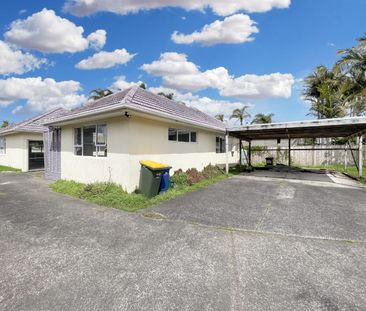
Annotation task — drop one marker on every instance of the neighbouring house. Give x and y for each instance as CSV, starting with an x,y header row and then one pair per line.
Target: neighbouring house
x,y
104,140
21,144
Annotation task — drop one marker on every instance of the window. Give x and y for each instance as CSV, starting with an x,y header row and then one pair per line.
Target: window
x,y
220,144
91,141
182,135
2,145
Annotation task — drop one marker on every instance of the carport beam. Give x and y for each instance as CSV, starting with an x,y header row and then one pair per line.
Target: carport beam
x,y
360,156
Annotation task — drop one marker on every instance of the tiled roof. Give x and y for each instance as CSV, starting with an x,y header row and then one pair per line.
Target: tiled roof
x,y
136,98
35,124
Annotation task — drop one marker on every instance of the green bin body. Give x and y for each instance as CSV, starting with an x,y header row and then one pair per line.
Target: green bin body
x,y
150,181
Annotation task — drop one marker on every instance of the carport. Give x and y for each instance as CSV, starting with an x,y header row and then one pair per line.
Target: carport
x,y
323,128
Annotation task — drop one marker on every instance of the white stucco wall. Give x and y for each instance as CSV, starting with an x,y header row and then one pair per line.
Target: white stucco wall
x,y
17,150
134,139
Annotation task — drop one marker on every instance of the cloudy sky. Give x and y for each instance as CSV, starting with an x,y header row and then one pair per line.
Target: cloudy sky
x,y
214,55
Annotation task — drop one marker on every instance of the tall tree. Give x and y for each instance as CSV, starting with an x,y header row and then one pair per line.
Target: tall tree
x,y
261,118
240,114
5,124
142,85
325,91
220,117
99,93
352,68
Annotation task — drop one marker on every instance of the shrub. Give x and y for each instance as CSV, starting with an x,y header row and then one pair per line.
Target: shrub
x,y
194,176
179,178
211,171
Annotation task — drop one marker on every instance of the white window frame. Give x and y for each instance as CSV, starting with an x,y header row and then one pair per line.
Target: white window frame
x,y
181,130
97,146
3,150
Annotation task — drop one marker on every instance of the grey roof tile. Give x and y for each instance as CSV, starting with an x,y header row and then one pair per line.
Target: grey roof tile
x,y
145,101
35,124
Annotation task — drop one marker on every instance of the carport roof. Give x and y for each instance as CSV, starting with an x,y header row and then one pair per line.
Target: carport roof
x,y
339,127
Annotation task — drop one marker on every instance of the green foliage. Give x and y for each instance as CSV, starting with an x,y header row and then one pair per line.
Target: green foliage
x,y
5,124
112,195
240,114
99,93
261,118
8,169
179,178
220,117
167,95
211,171
142,85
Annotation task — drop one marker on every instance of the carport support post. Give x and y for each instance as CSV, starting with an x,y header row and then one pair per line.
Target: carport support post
x,y
227,152
289,151
360,156
250,153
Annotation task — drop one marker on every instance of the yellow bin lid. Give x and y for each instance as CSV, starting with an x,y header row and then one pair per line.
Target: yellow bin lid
x,y
154,165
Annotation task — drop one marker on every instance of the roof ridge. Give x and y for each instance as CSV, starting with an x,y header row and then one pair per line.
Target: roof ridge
x,y
131,93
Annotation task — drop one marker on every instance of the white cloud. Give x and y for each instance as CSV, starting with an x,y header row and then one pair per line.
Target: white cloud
x,y
105,59
180,74
233,29
205,104
97,39
220,7
14,61
121,84
46,32
40,94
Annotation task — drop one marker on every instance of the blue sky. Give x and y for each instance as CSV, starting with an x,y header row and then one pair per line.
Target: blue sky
x,y
292,38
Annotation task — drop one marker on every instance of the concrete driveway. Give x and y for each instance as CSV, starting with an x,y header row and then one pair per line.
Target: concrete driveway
x,y
248,243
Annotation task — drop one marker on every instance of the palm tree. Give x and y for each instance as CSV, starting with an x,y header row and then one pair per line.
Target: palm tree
x,y
325,91
167,95
220,117
5,124
99,93
240,114
352,67
261,118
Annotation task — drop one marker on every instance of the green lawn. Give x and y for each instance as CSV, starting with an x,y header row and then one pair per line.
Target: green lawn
x,y
112,195
351,170
8,169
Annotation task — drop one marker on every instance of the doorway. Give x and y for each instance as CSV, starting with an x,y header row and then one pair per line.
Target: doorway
x,y
35,155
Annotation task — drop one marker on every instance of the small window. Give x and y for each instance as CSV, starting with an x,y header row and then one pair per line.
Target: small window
x,y
172,134
193,137
91,141
183,136
180,135
2,145
220,144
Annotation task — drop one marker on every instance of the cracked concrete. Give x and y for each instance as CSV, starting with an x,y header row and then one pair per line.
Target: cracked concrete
x,y
203,251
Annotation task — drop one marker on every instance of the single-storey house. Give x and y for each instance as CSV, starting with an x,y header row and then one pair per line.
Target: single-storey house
x,y
105,139
21,144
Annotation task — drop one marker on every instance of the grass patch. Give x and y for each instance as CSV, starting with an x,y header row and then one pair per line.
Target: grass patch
x,y
351,170
112,195
8,169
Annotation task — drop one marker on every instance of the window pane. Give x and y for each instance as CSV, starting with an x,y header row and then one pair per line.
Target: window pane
x,y
89,141
193,137
183,136
220,144
2,145
77,137
78,151
102,151
101,135
172,133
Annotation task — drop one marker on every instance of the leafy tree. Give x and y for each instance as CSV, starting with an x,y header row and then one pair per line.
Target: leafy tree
x,y
240,114
5,124
99,93
142,85
167,95
220,117
261,118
